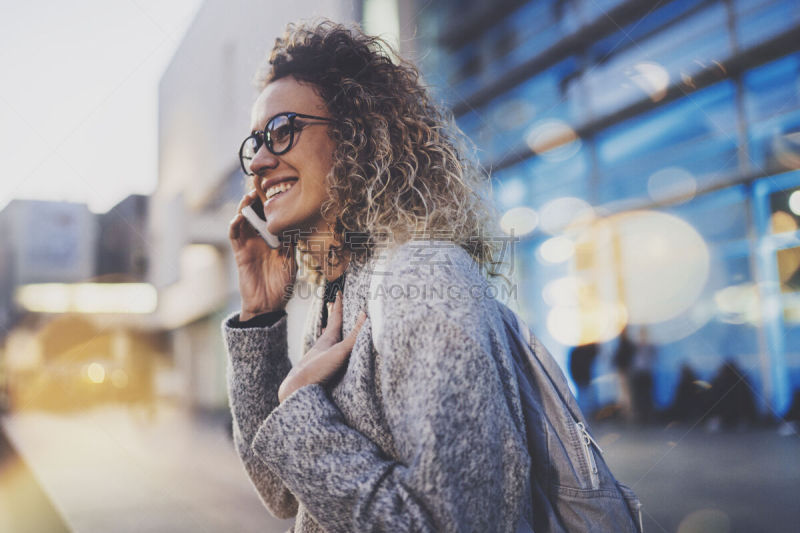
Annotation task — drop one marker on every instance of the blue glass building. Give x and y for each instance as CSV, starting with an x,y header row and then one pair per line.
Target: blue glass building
x,y
657,145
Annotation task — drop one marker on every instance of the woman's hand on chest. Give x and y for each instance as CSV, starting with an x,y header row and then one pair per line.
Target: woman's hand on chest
x,y
327,355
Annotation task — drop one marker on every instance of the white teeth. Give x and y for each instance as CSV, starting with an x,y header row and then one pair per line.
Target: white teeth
x,y
280,187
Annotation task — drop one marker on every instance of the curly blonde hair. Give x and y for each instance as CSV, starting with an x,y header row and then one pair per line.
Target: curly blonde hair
x,y
401,168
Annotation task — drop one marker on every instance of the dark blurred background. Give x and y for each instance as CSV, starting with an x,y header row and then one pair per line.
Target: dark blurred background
x,y
646,154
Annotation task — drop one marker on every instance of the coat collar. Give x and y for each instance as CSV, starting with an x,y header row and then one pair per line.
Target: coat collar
x,y
356,292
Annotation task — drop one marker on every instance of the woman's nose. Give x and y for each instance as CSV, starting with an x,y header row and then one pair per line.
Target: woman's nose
x,y
263,161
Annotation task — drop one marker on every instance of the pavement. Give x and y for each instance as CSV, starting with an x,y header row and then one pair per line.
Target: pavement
x,y
125,470
691,480
24,507
119,469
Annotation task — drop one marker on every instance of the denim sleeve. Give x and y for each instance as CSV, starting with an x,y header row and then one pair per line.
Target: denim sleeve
x,y
257,364
461,464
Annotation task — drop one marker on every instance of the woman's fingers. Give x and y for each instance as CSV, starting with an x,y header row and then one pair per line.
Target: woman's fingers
x,y
326,362
235,227
247,199
319,364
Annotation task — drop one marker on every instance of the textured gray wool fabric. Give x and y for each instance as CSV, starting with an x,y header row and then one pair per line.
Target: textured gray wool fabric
x,y
423,429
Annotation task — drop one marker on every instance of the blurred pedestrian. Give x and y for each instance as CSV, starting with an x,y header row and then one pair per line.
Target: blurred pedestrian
x,y
623,362
732,402
790,422
581,362
641,378
404,420
690,397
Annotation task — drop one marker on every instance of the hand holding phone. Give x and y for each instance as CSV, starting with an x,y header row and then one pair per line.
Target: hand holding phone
x,y
254,214
266,266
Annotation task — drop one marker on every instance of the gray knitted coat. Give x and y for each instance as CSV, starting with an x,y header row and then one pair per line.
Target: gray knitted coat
x,y
421,431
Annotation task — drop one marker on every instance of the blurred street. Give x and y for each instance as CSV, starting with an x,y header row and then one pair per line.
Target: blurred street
x,y
643,159
693,481
23,505
176,472
114,469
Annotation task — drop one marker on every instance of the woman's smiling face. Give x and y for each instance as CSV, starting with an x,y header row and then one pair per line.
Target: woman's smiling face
x,y
303,168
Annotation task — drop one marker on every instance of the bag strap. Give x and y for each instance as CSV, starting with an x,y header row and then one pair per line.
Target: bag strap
x,y
539,357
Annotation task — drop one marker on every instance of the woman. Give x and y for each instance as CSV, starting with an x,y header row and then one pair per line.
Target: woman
x,y
402,421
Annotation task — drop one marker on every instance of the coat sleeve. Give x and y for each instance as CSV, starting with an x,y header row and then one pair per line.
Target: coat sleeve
x,y
460,466
257,364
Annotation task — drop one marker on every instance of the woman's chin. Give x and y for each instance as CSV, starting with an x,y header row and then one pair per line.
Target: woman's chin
x,y
276,227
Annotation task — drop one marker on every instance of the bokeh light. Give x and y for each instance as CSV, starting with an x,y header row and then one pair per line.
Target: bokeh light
x,y
519,220
651,78
511,192
593,321
794,202
705,521
664,265
554,140
671,183
562,291
781,222
96,372
138,298
558,214
556,250
738,304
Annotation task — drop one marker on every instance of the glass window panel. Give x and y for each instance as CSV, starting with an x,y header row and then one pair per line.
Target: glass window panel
x,y
772,106
570,16
536,181
647,67
554,178
593,9
772,89
548,87
775,143
470,124
718,216
708,112
467,68
534,104
497,46
639,29
536,29
700,161
758,21
694,133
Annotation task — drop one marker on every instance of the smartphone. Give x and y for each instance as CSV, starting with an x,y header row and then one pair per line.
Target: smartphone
x,y
254,214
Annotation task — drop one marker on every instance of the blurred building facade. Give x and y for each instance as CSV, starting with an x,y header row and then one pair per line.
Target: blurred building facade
x,y
122,241
205,97
61,345
647,154
43,242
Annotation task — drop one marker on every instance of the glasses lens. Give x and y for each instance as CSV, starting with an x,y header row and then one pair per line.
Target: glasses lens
x,y
248,152
280,134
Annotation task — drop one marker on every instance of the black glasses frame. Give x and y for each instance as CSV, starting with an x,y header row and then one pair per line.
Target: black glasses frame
x,y
263,137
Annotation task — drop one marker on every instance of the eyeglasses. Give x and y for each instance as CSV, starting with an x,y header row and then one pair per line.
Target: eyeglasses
x,y
278,135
